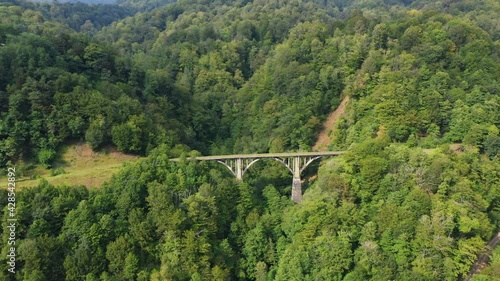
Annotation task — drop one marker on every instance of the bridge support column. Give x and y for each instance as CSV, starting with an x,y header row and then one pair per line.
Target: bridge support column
x,y
296,184
239,169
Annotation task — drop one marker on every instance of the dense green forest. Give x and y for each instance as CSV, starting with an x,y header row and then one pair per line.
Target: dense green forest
x,y
416,197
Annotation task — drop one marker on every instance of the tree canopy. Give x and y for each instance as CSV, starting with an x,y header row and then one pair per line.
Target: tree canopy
x,y
415,197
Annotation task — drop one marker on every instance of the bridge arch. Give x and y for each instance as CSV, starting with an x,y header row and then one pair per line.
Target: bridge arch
x,y
239,166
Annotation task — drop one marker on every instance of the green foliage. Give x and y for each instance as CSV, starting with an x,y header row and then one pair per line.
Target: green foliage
x,y
131,136
184,221
96,133
261,79
57,171
84,17
46,156
254,76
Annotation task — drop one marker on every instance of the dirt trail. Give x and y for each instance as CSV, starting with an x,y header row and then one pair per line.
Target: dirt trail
x,y
483,258
326,135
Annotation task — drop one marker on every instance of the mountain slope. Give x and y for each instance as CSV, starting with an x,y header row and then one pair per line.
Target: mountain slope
x,y
257,76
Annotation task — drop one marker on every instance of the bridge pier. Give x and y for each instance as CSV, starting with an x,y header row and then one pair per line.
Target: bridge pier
x,y
296,165
296,182
239,169
296,190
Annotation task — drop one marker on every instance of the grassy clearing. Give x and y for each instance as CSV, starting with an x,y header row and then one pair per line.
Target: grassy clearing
x,y
81,166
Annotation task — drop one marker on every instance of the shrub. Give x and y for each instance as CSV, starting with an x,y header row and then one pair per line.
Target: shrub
x,y
45,157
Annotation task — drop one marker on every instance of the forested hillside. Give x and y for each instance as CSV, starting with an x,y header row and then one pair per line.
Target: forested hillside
x,y
416,197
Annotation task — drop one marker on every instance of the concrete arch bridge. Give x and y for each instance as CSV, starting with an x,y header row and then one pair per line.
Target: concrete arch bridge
x,y
296,163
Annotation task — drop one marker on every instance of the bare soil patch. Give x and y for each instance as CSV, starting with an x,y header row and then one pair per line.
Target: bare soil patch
x,y
326,135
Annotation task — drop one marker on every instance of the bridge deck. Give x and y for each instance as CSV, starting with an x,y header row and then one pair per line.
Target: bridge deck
x,y
264,155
